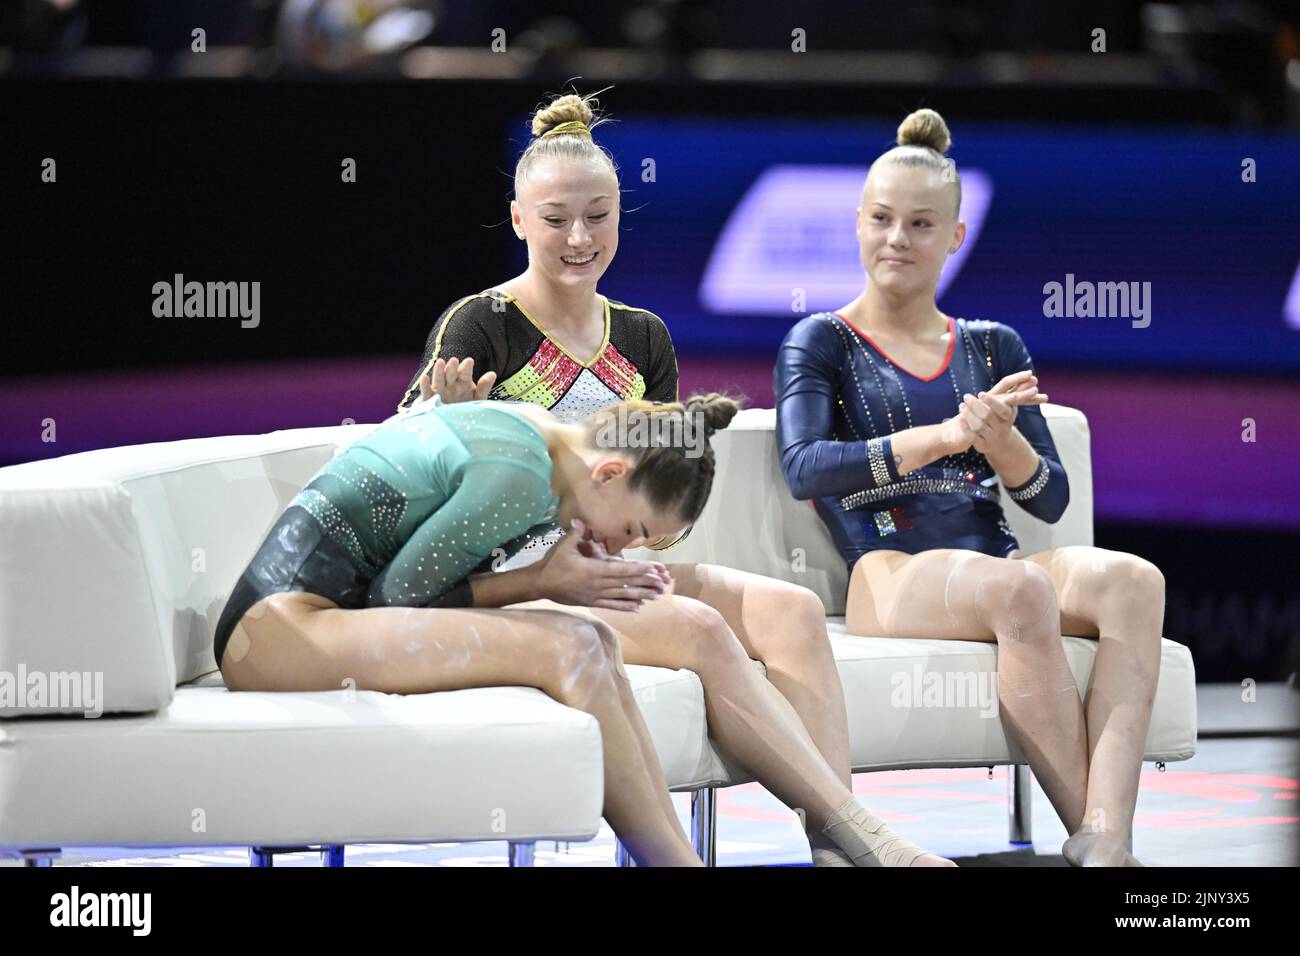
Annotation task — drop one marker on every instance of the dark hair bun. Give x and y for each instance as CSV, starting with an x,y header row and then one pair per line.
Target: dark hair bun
x,y
718,410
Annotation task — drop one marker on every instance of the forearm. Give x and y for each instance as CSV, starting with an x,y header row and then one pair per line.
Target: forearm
x,y
917,447
499,588
822,468
1015,460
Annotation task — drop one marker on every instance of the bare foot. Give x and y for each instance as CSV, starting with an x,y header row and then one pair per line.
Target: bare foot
x,y
1096,849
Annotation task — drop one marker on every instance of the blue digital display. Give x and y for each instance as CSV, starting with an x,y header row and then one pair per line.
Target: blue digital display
x,y
1101,246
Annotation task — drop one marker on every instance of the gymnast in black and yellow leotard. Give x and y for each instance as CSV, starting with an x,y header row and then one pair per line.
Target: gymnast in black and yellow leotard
x,y
635,359
717,618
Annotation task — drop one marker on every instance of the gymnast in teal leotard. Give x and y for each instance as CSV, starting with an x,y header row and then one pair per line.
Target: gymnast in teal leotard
x,y
423,501
407,515
378,575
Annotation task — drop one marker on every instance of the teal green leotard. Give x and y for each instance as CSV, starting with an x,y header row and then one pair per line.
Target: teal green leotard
x,y
406,514
425,498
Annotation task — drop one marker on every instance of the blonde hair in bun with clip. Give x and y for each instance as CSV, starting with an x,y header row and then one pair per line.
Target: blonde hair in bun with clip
x,y
562,129
923,139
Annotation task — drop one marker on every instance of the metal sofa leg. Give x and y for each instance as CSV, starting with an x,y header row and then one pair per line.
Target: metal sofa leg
x,y
331,854
261,856
521,854
704,820
1020,797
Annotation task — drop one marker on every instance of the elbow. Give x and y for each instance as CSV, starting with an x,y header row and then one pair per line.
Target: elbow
x,y
1065,497
1054,507
800,488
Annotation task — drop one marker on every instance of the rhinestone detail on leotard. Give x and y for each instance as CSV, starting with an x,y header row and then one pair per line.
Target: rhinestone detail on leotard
x,y
1038,483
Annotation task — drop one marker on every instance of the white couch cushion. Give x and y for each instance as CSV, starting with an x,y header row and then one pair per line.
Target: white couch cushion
x,y
892,727
119,561
219,768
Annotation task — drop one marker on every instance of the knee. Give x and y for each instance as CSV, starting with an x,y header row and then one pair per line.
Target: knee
x,y
611,646
1019,602
796,624
706,633
584,658
803,608
1131,582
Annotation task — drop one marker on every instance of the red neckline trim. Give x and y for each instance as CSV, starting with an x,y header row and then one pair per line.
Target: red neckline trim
x,y
947,359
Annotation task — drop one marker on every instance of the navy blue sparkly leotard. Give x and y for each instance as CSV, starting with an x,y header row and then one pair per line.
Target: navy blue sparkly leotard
x,y
839,398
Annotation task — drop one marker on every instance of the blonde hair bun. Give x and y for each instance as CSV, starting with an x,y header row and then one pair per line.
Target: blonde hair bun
x,y
925,128
564,109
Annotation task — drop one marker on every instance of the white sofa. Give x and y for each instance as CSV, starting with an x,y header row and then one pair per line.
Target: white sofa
x,y
118,563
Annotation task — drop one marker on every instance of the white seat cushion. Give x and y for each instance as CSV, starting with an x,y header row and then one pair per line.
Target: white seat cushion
x,y
216,767
896,724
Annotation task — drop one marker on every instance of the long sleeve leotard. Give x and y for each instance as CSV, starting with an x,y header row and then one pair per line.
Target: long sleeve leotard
x,y
406,514
635,359
839,398
426,498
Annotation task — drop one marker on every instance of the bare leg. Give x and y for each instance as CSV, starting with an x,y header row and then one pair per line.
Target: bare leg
x,y
747,716
297,641
1119,599
963,595
784,626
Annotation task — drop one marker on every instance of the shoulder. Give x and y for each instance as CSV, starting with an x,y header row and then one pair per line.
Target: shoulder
x,y
987,328
821,329
633,317
496,433
474,322
997,339
522,421
478,307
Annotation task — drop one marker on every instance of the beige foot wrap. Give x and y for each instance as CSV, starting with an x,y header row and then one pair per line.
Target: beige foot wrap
x,y
866,839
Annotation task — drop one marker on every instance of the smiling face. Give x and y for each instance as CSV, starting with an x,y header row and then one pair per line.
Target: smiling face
x,y
567,210
616,516
907,227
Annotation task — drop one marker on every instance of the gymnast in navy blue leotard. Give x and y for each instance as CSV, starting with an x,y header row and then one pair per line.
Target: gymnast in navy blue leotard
x,y
840,397
905,471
